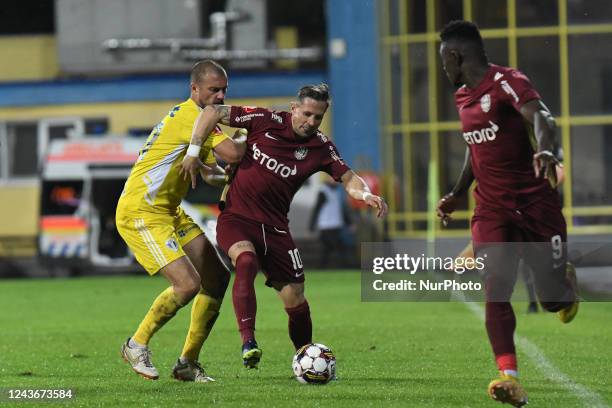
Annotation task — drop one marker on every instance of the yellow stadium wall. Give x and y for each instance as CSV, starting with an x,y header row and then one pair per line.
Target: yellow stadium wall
x,y
31,57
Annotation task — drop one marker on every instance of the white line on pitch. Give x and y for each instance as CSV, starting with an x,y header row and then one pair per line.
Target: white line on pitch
x,y
588,397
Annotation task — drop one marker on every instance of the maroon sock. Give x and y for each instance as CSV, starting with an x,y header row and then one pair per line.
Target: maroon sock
x,y
300,325
501,322
243,295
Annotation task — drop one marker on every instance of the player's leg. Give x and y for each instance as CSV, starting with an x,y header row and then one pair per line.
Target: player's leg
x,y
489,231
285,273
500,322
298,311
528,280
184,282
244,298
156,248
236,236
555,278
205,307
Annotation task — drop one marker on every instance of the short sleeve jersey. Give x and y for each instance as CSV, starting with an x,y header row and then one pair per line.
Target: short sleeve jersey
x,y
501,142
154,185
275,165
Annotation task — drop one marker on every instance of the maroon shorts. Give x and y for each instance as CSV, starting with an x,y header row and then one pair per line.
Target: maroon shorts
x,y
542,221
277,254
537,234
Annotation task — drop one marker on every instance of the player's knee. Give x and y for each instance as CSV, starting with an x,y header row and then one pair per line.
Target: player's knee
x,y
224,278
216,285
188,288
295,301
246,265
293,295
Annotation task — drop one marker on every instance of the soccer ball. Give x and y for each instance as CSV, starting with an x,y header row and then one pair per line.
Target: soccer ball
x,y
314,363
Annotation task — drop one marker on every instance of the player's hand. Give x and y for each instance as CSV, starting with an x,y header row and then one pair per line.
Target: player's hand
x,y
209,173
445,207
544,163
230,170
240,135
377,202
190,167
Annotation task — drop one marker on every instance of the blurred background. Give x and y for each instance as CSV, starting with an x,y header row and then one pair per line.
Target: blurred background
x,y
83,82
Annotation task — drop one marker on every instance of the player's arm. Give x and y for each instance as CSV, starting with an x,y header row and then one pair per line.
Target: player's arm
x,y
321,199
204,124
216,176
232,150
359,190
448,203
536,113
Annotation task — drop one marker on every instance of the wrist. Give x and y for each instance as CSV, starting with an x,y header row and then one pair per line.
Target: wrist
x,y
193,150
366,195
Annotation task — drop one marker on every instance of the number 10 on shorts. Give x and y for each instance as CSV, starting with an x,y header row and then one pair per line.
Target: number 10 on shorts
x,y
296,259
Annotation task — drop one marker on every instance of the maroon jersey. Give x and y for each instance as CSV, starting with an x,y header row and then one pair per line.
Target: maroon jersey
x,y
275,165
501,142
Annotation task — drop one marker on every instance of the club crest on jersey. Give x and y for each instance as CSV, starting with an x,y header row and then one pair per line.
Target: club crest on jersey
x,y
172,244
301,152
485,103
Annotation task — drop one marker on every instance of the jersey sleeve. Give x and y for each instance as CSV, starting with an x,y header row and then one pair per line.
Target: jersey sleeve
x,y
518,89
333,163
185,119
248,117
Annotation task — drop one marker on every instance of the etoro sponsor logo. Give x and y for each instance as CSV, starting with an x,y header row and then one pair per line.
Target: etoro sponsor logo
x,y
482,135
272,164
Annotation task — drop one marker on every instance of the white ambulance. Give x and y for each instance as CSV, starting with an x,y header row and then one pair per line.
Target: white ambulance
x,y
82,179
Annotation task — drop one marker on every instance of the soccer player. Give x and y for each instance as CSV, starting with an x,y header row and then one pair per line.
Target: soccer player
x,y
283,150
509,134
163,238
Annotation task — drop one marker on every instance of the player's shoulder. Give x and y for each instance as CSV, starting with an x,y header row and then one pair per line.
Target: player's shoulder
x,y
321,138
508,74
185,111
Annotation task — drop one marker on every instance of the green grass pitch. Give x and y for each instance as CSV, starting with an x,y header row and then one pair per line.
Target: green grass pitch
x,y
66,333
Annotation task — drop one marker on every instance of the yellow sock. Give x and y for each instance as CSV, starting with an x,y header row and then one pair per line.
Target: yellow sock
x,y
163,309
204,313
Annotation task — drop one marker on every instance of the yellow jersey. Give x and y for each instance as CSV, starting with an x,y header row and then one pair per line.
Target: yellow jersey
x,y
154,184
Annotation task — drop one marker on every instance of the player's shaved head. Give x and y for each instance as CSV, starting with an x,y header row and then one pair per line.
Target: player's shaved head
x,y
205,67
462,31
464,36
319,92
462,51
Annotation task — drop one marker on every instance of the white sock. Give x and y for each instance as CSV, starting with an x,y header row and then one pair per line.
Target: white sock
x,y
183,360
512,373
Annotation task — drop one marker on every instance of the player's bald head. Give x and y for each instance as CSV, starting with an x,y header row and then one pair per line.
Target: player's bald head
x,y
463,37
206,67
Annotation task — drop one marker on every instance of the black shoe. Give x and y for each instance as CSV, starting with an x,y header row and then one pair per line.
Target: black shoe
x,y
251,354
